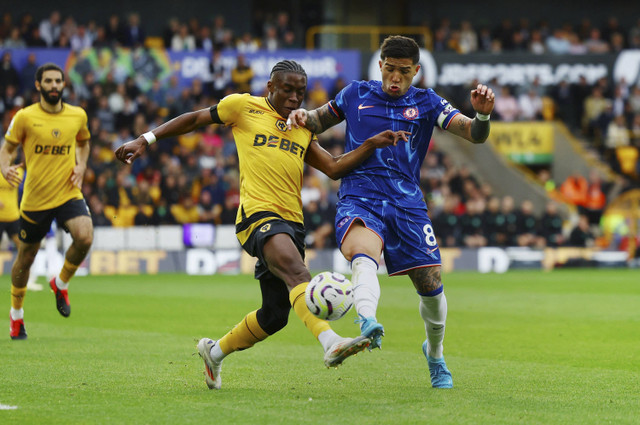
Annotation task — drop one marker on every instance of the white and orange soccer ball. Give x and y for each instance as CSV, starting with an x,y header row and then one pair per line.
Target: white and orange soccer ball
x,y
329,295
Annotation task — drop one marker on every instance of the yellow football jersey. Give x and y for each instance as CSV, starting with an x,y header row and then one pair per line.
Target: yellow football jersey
x,y
271,157
8,201
49,144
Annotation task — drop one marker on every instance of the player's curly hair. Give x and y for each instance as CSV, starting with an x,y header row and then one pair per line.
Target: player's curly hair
x,y
398,46
48,67
288,66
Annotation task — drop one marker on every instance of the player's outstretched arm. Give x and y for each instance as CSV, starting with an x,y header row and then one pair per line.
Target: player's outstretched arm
x,y
337,166
317,120
476,130
10,172
181,124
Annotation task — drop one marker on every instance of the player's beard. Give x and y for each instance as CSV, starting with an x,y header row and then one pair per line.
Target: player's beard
x,y
51,100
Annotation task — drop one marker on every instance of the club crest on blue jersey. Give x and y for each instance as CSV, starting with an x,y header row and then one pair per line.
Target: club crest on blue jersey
x,y
410,113
281,125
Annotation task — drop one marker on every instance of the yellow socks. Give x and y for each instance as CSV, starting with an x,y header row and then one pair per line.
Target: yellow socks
x,y
17,297
315,325
68,270
244,335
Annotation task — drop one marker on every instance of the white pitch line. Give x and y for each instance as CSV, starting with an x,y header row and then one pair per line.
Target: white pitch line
x,y
7,407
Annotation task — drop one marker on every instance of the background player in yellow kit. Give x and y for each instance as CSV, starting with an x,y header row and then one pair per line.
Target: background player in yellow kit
x,y
269,223
55,141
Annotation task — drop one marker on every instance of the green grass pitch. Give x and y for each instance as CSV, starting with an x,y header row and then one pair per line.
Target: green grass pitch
x,y
526,347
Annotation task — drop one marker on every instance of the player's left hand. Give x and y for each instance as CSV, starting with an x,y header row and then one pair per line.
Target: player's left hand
x,y
78,175
483,99
388,138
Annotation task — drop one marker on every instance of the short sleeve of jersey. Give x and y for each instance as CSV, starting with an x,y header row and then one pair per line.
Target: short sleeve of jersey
x,y
230,107
341,102
446,112
15,131
83,134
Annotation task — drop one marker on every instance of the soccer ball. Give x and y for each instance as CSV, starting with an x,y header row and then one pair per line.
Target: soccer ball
x,y
329,295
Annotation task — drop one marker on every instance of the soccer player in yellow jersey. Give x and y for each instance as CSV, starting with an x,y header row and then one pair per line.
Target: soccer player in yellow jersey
x,y
55,141
269,223
10,219
9,211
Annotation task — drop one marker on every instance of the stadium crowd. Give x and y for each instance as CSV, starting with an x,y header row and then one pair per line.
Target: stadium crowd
x,y
194,178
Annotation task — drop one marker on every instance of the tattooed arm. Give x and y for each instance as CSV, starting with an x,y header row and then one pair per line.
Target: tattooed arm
x,y
475,130
317,120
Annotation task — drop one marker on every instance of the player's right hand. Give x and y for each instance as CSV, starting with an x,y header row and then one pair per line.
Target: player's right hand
x,y
132,150
14,175
297,118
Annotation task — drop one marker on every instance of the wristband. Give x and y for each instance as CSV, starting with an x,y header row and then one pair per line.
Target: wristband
x,y
481,117
149,137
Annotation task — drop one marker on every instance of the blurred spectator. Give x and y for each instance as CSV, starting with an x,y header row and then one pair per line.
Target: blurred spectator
x,y
530,105
574,189
98,217
204,41
114,32
617,136
242,75
34,39
448,223
581,235
564,106
15,40
317,95
594,106
527,227
289,41
81,39
270,41
596,198
8,74
183,40
134,33
173,24
473,231
318,222
50,28
28,73
508,233
536,44
468,41
185,211
247,44
220,78
558,43
595,44
219,32
506,106
577,47
551,225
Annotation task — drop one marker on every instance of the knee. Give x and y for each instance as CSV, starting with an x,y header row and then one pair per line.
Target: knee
x,y
271,320
84,240
26,258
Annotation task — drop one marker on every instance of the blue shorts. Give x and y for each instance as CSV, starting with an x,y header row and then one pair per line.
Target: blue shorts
x,y
407,234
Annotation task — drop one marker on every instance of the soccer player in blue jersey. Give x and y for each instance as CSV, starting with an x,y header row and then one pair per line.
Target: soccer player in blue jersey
x,y
381,207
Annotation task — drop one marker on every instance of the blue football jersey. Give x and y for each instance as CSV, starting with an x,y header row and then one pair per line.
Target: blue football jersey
x,y
391,173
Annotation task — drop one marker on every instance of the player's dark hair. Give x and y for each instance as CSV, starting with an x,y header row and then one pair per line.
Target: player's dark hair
x,y
398,46
48,67
288,66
